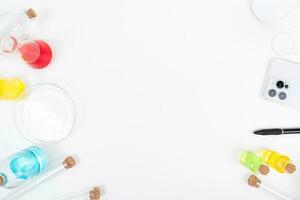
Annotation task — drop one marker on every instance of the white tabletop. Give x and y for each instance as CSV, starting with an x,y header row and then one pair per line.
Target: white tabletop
x,y
167,93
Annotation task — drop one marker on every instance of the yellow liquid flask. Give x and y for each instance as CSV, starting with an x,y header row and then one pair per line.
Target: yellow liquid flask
x,y
11,88
277,161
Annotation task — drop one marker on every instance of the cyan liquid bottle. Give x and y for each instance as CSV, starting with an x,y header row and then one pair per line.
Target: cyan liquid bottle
x,y
22,166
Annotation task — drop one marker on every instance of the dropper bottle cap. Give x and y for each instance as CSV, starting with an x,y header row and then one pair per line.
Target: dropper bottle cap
x,y
69,162
31,14
95,194
254,181
2,180
264,169
290,168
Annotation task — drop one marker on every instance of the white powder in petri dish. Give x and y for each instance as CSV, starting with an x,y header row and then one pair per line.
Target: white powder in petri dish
x,y
46,115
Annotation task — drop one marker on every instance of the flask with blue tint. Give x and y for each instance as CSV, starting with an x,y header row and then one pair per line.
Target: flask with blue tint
x,y
22,166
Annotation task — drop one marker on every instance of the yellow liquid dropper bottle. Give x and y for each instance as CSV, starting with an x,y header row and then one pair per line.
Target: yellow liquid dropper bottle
x,y
11,88
277,161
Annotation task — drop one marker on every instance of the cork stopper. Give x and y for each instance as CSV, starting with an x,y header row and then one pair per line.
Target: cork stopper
x,y
31,13
254,181
95,194
264,169
69,162
290,168
2,181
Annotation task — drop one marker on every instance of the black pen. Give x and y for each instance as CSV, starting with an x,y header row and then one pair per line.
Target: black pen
x,y
278,131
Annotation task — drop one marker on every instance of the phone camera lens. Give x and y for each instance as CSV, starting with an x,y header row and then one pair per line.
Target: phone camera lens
x,y
272,93
286,86
280,84
282,96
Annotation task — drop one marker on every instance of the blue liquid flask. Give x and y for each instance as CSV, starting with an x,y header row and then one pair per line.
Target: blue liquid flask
x,y
22,166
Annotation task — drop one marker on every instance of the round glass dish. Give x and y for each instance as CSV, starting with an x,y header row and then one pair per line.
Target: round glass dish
x,y
271,11
46,114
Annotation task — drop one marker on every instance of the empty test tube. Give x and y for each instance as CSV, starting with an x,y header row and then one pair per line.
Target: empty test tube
x,y
68,163
92,193
253,181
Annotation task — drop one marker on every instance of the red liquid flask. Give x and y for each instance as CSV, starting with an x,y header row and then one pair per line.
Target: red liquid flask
x,y
37,54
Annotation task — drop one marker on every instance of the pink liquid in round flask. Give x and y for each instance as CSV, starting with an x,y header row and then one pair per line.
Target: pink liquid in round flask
x,y
37,54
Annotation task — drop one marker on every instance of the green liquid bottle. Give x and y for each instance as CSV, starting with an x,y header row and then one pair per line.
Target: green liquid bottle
x,y
253,162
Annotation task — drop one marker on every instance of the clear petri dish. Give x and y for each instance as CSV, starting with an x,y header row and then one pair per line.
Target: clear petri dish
x,y
288,42
283,44
271,11
46,114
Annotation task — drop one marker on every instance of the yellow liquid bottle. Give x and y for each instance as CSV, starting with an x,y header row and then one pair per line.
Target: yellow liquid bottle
x,y
277,161
1,87
11,88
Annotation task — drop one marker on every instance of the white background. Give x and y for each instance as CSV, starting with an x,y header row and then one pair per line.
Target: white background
x,y
167,92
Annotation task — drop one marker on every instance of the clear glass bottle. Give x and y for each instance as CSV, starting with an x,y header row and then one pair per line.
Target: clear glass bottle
x,y
13,29
16,24
22,166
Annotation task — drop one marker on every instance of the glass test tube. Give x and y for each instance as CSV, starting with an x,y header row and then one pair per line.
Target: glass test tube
x,y
68,163
92,193
253,181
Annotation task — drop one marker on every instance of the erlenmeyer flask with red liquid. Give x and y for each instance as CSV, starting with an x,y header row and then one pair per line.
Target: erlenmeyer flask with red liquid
x,y
36,53
14,40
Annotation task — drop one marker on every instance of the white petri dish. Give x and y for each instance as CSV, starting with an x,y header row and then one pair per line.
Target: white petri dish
x,y
46,114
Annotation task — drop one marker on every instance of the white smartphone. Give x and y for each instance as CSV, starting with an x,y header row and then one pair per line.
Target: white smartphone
x,y
282,83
